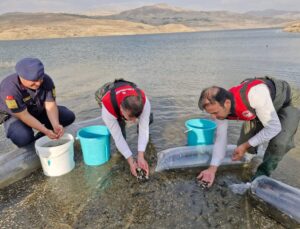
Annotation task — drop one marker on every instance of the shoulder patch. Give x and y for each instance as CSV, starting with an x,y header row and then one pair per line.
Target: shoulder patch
x,y
11,102
53,92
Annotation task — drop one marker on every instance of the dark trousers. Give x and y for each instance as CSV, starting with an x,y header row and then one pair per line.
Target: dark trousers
x,y
21,134
289,117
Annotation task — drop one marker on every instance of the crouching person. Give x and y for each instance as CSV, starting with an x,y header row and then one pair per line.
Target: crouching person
x,y
123,101
266,107
27,102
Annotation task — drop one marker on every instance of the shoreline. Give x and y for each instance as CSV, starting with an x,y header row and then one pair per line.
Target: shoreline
x,y
145,33
293,28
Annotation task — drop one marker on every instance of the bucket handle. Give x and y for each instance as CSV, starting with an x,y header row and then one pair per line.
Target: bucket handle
x,y
187,131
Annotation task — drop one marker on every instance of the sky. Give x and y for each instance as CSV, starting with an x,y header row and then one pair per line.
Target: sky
x,y
82,6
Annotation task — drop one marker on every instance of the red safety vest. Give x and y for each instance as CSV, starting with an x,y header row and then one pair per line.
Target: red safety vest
x,y
242,108
121,93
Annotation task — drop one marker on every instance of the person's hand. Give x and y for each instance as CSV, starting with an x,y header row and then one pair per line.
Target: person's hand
x,y
50,134
133,166
59,130
142,163
240,151
208,175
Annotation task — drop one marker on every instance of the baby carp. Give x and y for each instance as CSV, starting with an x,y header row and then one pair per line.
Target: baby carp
x,y
141,175
203,184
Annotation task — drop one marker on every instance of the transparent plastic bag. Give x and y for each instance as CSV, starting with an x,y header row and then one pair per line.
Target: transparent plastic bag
x,y
281,196
191,156
240,188
16,163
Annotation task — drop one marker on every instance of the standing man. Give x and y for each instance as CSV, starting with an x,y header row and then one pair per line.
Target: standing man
x,y
265,104
27,100
123,101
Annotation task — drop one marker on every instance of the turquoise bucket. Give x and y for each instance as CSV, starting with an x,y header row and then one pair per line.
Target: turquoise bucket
x,y
200,132
95,144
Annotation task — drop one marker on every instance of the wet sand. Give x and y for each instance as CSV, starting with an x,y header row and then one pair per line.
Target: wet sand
x,y
109,197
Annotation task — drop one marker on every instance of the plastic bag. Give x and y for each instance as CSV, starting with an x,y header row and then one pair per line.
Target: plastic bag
x,y
281,196
241,188
16,163
191,156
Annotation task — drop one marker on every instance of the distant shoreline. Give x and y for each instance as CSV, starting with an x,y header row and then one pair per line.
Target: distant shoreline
x,y
137,34
293,28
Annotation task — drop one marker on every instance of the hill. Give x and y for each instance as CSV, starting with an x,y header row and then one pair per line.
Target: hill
x,y
295,27
15,26
162,14
159,18
281,14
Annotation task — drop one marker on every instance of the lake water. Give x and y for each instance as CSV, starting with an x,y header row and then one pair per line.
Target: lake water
x,y
172,69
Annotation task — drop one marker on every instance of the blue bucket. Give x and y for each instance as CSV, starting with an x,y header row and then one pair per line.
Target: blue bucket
x,y
95,144
200,132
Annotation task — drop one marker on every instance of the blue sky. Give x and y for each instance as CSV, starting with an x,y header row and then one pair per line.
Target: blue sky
x,y
80,6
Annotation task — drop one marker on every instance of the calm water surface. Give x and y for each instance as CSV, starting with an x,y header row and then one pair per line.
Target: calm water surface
x,y
172,69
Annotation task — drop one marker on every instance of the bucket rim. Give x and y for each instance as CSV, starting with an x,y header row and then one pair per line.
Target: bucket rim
x,y
69,137
93,126
57,148
202,119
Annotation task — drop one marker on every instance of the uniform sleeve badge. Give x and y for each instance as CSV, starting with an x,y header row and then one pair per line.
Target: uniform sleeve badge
x,y
26,99
53,93
11,102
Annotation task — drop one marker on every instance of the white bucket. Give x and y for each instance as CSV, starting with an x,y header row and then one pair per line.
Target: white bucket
x,y
56,160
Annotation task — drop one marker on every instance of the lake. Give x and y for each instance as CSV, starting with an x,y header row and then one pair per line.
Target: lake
x,y
172,69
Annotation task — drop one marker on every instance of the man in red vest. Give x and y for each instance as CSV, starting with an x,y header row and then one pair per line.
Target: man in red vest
x,y
123,101
265,104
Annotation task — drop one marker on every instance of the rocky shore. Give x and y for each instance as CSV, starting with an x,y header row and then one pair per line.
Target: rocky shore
x,y
294,28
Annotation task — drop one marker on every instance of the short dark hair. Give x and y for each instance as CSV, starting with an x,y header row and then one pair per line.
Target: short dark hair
x,y
212,95
134,104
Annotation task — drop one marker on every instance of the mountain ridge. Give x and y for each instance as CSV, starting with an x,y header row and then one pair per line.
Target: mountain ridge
x,y
159,18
